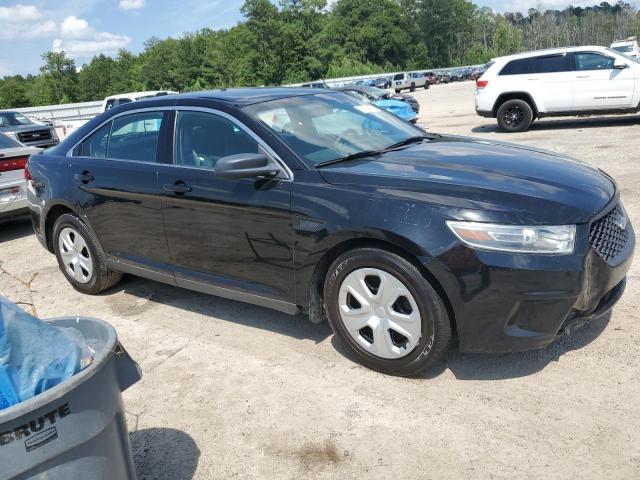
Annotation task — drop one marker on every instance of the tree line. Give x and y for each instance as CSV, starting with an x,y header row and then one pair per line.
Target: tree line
x,y
302,40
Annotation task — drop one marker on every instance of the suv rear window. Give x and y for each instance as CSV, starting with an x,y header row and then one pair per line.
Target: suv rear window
x,y
550,64
399,76
516,67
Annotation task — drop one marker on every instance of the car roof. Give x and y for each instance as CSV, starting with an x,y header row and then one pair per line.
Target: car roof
x,y
550,51
248,96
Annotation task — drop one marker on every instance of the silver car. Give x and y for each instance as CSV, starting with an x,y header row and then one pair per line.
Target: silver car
x,y
13,184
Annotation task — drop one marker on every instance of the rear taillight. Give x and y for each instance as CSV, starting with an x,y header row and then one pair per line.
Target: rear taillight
x,y
10,164
482,83
27,173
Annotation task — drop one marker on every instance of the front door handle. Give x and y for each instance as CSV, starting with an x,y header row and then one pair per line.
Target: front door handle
x,y
178,188
533,79
84,177
582,76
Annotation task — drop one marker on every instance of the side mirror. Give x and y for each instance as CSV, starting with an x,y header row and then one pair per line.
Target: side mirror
x,y
619,65
245,165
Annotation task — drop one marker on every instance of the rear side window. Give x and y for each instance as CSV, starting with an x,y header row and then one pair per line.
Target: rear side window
x,y
204,138
95,145
135,137
516,67
550,64
593,61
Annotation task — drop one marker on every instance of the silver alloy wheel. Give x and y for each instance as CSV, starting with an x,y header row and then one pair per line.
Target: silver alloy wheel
x,y
380,313
75,255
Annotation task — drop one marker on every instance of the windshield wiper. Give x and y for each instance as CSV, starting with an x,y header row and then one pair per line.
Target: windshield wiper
x,y
407,141
345,158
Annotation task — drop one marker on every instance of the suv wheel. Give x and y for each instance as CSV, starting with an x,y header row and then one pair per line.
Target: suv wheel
x,y
80,256
397,90
386,312
412,88
427,85
515,116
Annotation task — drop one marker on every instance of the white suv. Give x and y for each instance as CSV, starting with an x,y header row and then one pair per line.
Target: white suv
x,y
559,82
409,80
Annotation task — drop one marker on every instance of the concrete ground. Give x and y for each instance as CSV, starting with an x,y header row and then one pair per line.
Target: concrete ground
x,y
236,391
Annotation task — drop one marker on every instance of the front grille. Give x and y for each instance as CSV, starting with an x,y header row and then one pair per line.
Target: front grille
x,y
609,234
34,136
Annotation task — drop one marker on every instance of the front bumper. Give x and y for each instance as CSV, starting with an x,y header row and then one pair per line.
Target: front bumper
x,y
507,303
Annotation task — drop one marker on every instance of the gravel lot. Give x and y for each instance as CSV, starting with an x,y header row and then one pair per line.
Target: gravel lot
x,y
236,391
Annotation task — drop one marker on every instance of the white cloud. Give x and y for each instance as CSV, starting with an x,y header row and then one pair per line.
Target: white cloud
x,y
24,22
5,70
131,4
78,39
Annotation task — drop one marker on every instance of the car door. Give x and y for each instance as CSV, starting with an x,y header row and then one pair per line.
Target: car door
x,y
551,78
228,237
599,86
115,171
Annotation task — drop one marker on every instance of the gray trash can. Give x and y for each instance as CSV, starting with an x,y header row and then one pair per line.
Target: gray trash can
x,y
76,430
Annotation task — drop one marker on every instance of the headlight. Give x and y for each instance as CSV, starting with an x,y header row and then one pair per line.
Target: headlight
x,y
13,135
555,239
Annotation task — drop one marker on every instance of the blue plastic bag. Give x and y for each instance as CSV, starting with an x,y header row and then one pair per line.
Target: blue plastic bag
x,y
34,355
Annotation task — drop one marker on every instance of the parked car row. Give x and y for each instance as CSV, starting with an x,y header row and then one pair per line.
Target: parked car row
x,y
518,89
401,105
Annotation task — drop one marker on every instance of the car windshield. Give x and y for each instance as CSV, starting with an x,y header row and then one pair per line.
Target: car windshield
x,y
624,48
6,142
13,119
329,126
623,55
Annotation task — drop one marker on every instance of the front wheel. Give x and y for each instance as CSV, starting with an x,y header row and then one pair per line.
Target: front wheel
x,y
515,116
80,256
397,90
386,312
426,86
412,88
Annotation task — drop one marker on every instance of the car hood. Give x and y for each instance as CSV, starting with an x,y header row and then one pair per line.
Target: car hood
x,y
397,107
24,128
487,181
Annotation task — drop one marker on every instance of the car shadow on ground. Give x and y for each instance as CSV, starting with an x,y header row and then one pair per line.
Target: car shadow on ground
x,y
15,229
296,326
164,453
479,366
566,123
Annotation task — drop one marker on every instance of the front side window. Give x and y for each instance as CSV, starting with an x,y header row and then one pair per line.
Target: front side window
x,y
593,61
135,137
201,139
328,126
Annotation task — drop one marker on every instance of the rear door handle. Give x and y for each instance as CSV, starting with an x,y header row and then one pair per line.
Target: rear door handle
x,y
84,177
533,79
582,76
177,188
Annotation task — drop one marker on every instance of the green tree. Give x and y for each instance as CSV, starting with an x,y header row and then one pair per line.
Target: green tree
x,y
60,79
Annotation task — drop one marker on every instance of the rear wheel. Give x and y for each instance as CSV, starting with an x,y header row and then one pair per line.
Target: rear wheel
x,y
397,90
386,312
515,116
80,256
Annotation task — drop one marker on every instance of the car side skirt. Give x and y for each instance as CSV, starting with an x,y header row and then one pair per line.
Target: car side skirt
x,y
224,292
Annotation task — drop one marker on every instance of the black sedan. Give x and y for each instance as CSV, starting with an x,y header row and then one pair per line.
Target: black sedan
x,y
313,201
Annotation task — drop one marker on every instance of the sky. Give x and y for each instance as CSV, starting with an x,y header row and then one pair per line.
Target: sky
x,y
84,28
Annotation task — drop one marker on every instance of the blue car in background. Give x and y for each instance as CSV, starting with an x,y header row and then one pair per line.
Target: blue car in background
x,y
399,107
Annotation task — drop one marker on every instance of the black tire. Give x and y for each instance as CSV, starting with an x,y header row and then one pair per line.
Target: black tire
x,y
515,116
426,86
397,90
102,277
412,88
435,336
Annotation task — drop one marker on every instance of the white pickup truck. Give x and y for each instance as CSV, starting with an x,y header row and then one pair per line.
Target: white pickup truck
x,y
629,47
113,101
